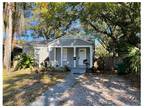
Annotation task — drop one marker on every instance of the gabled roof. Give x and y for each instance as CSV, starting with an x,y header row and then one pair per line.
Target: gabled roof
x,y
69,42
59,42
37,43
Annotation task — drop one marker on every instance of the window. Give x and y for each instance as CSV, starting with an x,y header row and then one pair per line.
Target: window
x,y
64,54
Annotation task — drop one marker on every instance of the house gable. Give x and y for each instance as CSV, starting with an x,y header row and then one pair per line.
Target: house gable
x,y
70,42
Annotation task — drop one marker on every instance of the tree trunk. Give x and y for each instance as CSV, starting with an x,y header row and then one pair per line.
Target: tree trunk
x,y
7,45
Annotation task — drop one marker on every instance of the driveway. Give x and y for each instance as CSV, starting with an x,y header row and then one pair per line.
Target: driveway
x,y
80,90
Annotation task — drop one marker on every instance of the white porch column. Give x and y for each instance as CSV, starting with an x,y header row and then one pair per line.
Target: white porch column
x,y
54,56
61,56
91,56
74,56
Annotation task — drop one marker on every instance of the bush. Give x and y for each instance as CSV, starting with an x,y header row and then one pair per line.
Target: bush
x,y
59,69
131,63
24,61
66,68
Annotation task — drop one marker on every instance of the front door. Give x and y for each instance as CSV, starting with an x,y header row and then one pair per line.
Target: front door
x,y
82,55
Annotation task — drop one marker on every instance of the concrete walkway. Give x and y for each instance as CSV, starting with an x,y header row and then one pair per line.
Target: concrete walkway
x,y
79,90
52,96
78,70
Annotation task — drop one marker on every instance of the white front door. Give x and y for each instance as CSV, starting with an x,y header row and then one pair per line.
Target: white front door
x,y
82,55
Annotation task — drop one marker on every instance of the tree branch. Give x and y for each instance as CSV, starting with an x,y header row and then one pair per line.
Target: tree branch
x,y
96,29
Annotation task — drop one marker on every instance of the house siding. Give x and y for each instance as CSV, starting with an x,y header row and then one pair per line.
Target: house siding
x,y
28,50
43,54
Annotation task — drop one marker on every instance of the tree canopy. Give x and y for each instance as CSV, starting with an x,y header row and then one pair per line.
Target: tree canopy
x,y
116,25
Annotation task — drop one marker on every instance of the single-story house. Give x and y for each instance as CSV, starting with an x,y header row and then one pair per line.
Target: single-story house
x,y
63,51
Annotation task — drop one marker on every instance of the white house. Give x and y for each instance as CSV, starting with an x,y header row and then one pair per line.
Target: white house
x,y
63,51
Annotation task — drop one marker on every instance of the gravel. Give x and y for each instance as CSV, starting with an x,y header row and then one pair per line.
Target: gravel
x,y
79,90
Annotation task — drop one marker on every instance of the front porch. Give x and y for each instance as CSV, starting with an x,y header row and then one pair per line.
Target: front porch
x,y
71,56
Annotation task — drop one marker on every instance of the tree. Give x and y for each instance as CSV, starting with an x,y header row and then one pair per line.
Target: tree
x,y
120,24
8,8
52,19
101,51
13,24
113,20
112,23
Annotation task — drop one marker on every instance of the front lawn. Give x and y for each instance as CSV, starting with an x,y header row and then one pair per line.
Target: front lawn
x,y
20,87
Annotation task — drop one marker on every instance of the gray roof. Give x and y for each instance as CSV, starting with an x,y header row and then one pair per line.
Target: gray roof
x,y
59,42
37,43
69,42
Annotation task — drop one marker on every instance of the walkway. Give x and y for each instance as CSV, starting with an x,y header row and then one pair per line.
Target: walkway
x,y
52,96
78,90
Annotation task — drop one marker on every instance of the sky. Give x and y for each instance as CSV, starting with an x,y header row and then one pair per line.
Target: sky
x,y
29,35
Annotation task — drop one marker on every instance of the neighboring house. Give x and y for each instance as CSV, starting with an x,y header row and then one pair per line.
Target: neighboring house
x,y
63,51
16,50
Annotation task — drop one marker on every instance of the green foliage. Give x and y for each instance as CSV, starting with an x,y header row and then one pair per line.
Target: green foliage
x,y
131,62
53,18
119,24
113,21
24,61
58,69
116,23
101,51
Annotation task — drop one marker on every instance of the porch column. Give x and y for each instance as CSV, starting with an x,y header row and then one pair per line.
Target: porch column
x,y
54,54
74,56
61,56
91,56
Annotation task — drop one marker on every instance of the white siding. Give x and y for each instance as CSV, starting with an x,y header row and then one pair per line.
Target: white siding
x,y
43,54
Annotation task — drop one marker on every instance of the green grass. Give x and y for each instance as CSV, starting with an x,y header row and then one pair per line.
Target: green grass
x,y
20,87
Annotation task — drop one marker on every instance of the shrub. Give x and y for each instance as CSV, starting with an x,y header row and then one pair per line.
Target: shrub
x,y
59,69
66,68
131,63
24,61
